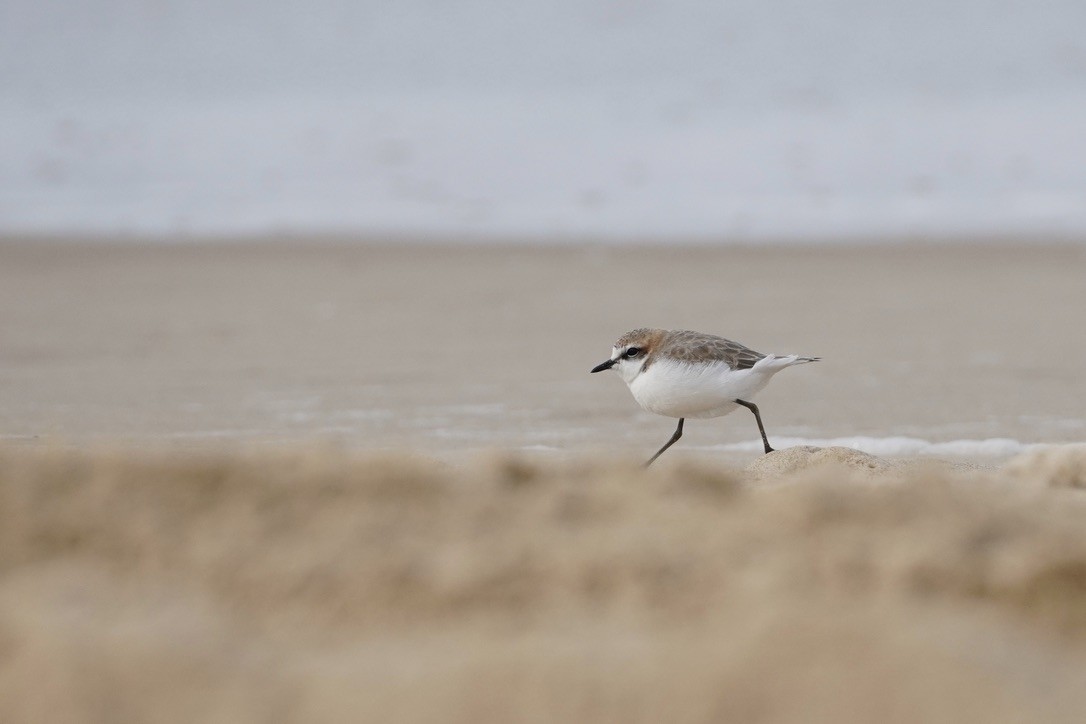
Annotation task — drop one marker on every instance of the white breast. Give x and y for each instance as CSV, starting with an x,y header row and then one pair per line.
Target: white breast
x,y
682,389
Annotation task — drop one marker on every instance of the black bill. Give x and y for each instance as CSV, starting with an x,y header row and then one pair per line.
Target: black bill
x,y
604,365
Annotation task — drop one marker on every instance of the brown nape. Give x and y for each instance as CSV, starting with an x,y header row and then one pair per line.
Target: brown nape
x,y
644,337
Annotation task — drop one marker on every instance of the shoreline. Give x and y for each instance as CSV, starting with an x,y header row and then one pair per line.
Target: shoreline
x,y
444,348
422,240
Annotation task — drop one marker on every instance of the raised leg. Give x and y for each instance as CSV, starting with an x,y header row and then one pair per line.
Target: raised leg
x,y
669,443
757,416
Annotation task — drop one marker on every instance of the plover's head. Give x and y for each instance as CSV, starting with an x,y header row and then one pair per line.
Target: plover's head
x,y
631,351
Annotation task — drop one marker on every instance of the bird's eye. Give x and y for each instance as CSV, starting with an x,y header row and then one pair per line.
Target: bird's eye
x,y
633,352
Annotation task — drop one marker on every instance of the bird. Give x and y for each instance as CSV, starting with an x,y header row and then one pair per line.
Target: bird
x,y
680,373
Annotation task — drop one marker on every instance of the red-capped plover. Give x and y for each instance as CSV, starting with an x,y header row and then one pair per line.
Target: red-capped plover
x,y
684,374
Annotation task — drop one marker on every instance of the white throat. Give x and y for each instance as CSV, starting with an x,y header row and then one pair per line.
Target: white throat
x,y
629,369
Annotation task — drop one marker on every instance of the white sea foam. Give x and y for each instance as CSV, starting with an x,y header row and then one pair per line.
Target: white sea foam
x,y
899,446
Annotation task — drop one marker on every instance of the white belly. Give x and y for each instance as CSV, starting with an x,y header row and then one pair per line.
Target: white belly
x,y
677,389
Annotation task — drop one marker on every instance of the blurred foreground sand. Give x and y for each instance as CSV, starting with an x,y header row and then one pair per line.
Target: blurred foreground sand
x,y
316,585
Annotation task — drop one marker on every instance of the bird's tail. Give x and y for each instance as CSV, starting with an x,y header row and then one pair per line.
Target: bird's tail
x,y
772,362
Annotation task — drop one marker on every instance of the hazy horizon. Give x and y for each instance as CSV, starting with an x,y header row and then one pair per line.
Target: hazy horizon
x,y
547,120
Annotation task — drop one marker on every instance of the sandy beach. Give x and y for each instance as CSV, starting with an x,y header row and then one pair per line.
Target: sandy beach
x,y
317,482
452,350
298,308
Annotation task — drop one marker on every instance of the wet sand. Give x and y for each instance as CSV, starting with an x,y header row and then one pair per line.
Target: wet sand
x,y
266,482
452,350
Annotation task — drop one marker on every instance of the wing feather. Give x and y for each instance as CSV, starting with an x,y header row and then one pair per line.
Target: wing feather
x,y
688,346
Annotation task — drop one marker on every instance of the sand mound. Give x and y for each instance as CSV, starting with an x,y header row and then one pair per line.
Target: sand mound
x,y
780,463
318,586
1058,466
789,464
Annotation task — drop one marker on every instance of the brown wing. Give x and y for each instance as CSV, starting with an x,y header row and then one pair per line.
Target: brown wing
x,y
697,347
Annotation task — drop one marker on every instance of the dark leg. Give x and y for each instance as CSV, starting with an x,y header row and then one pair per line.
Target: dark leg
x,y
754,408
669,443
